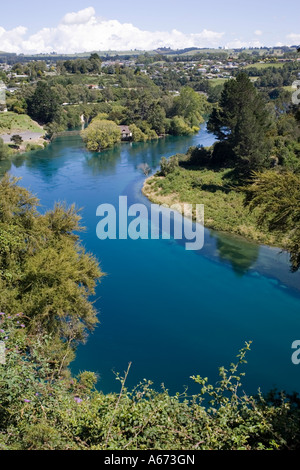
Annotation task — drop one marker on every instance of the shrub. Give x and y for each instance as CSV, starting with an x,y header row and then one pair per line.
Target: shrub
x,y
101,134
168,165
41,409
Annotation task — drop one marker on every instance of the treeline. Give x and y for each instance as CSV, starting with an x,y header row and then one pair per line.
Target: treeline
x,y
58,103
83,66
274,77
148,118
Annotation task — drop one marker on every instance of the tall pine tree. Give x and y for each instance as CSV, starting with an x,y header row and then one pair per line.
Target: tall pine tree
x,y
242,122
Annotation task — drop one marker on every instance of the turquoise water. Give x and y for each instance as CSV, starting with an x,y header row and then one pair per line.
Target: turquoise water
x,y
173,313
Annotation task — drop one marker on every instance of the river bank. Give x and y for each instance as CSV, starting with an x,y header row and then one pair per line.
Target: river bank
x,y
31,133
224,207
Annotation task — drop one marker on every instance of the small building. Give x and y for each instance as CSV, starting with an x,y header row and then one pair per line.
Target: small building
x,y
92,86
126,132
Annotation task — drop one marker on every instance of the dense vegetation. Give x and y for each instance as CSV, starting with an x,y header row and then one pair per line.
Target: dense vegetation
x,y
101,134
4,150
277,196
44,271
150,117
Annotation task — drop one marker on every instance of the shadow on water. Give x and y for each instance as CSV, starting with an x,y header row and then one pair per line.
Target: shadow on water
x,y
104,162
240,254
131,153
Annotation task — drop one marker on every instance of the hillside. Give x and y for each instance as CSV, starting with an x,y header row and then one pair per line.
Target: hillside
x,y
12,123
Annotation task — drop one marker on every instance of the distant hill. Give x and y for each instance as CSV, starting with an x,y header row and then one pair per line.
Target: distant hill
x,y
166,51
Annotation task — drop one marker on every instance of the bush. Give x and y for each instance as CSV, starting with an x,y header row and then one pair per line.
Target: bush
x,y
43,409
168,165
199,156
137,134
178,126
4,150
32,147
222,155
101,134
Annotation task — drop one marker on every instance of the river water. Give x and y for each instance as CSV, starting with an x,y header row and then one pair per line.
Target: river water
x,y
173,313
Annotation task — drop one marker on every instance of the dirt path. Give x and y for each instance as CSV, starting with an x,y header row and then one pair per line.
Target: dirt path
x,y
27,136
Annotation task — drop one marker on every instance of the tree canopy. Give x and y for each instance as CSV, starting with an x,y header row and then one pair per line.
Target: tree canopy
x,y
44,270
101,134
242,121
277,196
43,104
191,106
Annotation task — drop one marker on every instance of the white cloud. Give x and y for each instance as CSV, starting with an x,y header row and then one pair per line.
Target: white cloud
x,y
10,40
81,17
258,32
238,44
83,31
294,38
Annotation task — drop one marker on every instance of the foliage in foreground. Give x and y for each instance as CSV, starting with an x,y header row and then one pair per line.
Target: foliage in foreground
x,y
41,408
44,270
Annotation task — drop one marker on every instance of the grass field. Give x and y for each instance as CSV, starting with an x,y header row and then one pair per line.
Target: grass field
x,y
223,204
265,65
217,81
11,123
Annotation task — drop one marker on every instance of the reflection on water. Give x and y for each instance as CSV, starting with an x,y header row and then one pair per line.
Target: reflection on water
x,y
103,162
239,253
5,165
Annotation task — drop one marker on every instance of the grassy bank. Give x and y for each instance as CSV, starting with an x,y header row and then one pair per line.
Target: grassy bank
x,y
224,208
12,123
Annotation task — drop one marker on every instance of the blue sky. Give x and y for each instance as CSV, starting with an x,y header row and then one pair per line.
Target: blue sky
x,y
32,25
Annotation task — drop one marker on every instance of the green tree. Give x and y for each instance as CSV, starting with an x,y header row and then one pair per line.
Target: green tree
x,y
277,197
44,271
242,120
157,118
168,165
17,140
4,150
43,105
178,126
101,134
95,63
191,106
137,134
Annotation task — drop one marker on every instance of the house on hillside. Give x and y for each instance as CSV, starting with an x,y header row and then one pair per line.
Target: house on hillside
x,y
126,133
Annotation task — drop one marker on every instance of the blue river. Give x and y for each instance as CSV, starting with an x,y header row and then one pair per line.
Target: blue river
x,y
172,313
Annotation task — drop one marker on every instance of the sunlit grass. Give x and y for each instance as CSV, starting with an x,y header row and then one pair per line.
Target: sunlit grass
x,y
12,122
223,203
